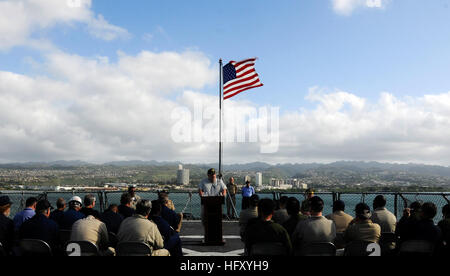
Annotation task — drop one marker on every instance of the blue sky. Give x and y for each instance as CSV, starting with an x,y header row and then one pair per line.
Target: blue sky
x,y
389,54
402,48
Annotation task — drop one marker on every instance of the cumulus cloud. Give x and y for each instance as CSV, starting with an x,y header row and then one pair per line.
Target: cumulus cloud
x,y
347,7
345,126
19,19
91,109
95,110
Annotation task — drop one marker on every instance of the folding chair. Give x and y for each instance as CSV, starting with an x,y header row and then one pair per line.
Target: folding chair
x,y
416,247
133,249
86,248
318,249
268,249
34,247
357,249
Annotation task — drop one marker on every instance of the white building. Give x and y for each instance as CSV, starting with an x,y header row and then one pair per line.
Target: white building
x,y
290,182
182,176
258,180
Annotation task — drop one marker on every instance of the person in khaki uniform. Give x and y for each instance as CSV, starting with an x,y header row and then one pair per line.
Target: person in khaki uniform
x,y
314,229
139,228
231,198
362,228
382,216
93,230
340,218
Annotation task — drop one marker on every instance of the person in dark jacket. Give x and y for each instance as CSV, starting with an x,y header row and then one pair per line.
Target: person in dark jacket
x,y
6,225
444,224
264,230
172,241
174,219
125,206
88,208
72,214
112,218
41,227
58,213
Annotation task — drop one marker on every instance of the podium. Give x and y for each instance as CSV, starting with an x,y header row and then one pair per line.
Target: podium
x,y
212,219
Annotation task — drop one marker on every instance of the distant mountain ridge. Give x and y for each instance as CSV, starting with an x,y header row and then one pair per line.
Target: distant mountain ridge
x,y
285,170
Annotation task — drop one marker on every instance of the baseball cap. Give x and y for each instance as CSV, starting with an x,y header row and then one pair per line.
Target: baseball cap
x,y
362,210
211,171
43,205
4,200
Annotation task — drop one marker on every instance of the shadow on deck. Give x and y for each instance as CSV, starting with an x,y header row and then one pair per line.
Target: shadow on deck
x,y
192,235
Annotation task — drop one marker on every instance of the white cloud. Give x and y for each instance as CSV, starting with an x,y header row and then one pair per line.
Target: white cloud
x,y
347,7
95,110
20,19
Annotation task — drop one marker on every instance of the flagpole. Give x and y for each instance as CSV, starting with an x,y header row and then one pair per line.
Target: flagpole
x,y
220,116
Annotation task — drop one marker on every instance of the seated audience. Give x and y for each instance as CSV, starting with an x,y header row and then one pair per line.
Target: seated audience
x,y
169,204
444,224
72,214
138,228
112,218
248,214
174,219
382,216
362,228
41,227
134,197
27,213
91,229
58,213
281,215
314,229
172,241
125,206
409,220
340,218
293,210
88,208
263,229
6,224
305,208
425,229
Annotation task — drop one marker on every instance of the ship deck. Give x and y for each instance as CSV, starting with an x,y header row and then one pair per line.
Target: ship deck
x,y
192,240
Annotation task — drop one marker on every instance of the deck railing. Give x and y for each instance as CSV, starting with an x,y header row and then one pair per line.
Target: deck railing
x,y
189,203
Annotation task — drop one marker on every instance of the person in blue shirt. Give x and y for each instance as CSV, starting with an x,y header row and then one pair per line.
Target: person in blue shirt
x,y
26,214
72,214
41,227
172,241
247,192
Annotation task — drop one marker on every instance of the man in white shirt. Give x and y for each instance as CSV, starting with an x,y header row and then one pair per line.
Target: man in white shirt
x,y
212,186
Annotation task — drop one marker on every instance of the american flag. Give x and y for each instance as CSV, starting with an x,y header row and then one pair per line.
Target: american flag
x,y
239,76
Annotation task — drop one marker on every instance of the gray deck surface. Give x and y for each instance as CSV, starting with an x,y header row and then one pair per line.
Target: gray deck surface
x,y
192,235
